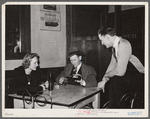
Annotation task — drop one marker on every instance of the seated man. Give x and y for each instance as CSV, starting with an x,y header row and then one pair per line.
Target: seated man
x,y
82,74
77,72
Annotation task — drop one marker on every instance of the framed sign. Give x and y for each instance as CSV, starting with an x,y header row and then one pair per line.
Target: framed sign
x,y
50,17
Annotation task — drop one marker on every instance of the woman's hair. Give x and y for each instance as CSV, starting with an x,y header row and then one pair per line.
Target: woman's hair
x,y
107,30
27,59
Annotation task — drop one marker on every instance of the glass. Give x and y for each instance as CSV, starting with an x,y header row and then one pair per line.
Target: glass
x,y
46,85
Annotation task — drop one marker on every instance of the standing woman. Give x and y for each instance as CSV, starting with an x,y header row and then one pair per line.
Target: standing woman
x,y
27,77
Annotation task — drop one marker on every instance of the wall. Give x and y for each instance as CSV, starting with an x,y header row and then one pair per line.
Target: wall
x,y
50,45
85,24
111,8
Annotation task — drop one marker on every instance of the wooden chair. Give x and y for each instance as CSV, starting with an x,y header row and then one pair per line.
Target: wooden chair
x,y
130,100
35,100
127,100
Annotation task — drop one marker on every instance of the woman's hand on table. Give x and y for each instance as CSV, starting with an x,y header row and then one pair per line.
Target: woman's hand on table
x,y
43,86
61,80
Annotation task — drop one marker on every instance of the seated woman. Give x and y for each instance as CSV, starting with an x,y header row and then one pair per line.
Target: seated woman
x,y
27,77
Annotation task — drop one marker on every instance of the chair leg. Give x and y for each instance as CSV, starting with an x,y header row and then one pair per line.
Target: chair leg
x,y
132,101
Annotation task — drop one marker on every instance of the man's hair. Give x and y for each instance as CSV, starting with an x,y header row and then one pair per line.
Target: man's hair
x,y
107,30
27,59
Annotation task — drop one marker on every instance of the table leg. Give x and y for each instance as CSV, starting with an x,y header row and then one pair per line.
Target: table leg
x,y
96,102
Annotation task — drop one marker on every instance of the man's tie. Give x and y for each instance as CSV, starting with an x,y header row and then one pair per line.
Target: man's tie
x,y
74,70
114,53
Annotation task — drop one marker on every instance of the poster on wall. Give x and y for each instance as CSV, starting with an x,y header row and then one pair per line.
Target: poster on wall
x,y
50,17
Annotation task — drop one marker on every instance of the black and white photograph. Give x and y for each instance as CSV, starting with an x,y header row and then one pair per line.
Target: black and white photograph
x,y
75,59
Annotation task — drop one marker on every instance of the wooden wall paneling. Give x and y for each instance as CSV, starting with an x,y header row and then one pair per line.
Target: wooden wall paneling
x,y
22,27
68,28
111,19
104,16
132,28
27,29
92,55
117,18
99,50
74,22
105,54
86,21
81,45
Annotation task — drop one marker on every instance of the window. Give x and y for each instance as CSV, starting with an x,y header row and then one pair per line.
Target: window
x,y
17,31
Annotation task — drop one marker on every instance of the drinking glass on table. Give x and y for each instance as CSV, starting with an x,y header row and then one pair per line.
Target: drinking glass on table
x,y
46,85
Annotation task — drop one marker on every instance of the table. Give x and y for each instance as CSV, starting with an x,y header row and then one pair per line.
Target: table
x,y
69,96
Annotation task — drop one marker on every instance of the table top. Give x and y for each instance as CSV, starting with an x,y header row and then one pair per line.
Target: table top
x,y
68,95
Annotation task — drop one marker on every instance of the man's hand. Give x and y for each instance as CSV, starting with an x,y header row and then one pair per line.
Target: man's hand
x,y
43,86
102,85
61,80
82,82
103,82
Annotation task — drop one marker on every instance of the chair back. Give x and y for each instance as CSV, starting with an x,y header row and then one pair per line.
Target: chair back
x,y
28,100
36,101
127,100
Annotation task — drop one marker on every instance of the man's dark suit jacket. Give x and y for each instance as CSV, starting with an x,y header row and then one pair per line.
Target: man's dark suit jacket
x,y
88,74
19,81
